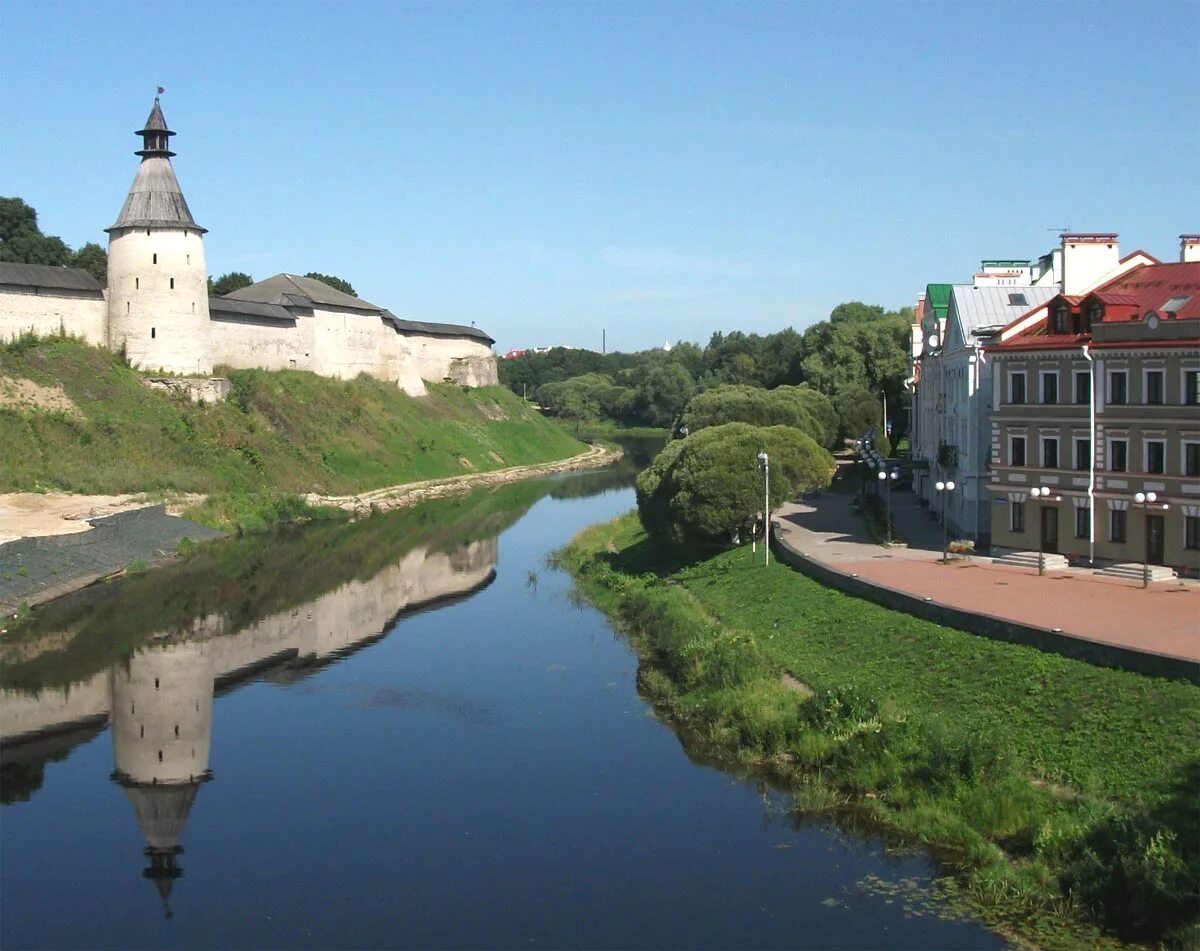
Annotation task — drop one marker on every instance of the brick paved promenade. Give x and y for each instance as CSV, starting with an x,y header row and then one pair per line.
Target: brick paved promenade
x,y
1164,619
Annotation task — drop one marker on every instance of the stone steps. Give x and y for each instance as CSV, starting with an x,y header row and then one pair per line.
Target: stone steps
x,y
1029,559
1133,572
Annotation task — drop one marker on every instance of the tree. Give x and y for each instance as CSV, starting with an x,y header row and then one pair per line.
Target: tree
x,y
228,283
664,390
22,241
858,410
705,487
335,282
93,259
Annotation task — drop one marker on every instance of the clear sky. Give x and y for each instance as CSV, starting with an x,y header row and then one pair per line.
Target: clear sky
x,y
657,170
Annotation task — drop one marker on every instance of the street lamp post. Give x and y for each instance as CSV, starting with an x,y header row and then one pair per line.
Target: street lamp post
x,y
887,477
945,488
765,465
1042,493
1145,500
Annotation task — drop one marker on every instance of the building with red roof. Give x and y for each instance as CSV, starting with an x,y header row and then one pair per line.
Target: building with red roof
x,y
1095,423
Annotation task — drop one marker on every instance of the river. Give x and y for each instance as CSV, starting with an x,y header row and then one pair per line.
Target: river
x,y
403,733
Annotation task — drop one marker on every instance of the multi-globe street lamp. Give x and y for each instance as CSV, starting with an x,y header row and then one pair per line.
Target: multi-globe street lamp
x,y
887,477
764,463
1146,500
1043,494
945,488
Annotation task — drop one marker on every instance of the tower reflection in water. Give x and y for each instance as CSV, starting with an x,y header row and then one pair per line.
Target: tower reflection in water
x,y
159,702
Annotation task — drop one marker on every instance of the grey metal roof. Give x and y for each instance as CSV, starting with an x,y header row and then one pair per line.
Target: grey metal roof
x,y
219,307
48,277
292,290
976,308
435,330
155,199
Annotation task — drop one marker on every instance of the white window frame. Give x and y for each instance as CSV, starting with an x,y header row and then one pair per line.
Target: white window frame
x,y
1109,390
1108,459
1043,375
1012,437
1075,441
1147,442
1013,374
1043,441
1146,371
1183,451
1183,387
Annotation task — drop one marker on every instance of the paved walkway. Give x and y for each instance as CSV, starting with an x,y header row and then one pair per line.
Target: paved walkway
x,y
1164,619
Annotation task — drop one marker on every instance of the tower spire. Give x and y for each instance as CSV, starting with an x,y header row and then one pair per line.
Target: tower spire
x,y
155,134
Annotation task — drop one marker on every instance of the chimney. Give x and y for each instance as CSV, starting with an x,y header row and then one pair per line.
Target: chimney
x,y
1189,248
1086,258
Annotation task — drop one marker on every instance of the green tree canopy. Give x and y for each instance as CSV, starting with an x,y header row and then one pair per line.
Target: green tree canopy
x,y
22,241
662,393
335,282
93,259
588,396
705,487
228,283
800,407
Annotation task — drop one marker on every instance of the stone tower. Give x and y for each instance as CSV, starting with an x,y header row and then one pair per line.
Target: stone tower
x,y
157,280
161,730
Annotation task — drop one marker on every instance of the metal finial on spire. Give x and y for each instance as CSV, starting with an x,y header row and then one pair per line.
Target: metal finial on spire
x,y
161,90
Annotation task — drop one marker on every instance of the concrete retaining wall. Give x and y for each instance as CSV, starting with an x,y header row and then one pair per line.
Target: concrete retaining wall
x,y
998,629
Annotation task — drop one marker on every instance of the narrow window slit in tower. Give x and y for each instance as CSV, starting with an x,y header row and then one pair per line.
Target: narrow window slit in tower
x,y
152,335
177,729
155,257
160,756
155,679
172,283
143,731
137,283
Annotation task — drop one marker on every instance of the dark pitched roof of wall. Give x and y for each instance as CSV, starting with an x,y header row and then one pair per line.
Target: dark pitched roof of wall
x,y
227,306
48,277
435,330
300,292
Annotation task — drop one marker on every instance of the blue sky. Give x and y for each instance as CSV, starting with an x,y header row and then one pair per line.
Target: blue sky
x,y
657,170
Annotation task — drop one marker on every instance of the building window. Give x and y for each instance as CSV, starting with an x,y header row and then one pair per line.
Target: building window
x,y
1083,386
1118,387
1050,387
154,258
1016,450
1083,454
1118,455
1116,526
1156,456
1083,522
1016,387
1061,316
127,307
1154,387
172,283
1016,516
137,283
153,333
1191,387
1191,531
1049,452
1191,458
1095,314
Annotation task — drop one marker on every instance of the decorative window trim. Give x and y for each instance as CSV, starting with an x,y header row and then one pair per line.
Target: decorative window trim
x,y
1044,375
1012,375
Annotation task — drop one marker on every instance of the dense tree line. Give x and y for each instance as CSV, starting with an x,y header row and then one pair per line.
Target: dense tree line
x,y
855,359
22,242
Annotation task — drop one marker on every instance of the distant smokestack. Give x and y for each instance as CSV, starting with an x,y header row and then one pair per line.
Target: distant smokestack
x,y
1189,248
1086,258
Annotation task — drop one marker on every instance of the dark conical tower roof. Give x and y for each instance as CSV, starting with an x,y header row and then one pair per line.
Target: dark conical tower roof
x,y
155,198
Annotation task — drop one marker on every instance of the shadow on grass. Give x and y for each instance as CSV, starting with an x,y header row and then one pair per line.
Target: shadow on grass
x,y
657,557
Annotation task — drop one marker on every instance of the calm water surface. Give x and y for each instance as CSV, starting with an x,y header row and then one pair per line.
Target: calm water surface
x,y
404,733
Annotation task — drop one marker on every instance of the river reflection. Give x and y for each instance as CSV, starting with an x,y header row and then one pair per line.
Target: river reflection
x,y
399,733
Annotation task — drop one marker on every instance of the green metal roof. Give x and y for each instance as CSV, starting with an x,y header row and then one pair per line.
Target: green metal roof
x,y
937,297
1005,262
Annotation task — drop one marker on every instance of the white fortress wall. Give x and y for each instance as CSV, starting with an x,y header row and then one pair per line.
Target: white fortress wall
x,y
46,312
24,712
464,360
347,343
245,343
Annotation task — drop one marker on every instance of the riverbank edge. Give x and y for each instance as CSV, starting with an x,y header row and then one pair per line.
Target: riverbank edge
x,y
642,606
362,505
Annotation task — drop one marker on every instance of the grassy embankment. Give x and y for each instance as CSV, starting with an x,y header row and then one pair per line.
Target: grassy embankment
x,y
279,434
1066,796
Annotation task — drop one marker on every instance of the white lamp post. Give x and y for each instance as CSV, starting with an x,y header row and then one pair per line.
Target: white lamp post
x,y
887,478
1043,494
764,462
945,488
1145,500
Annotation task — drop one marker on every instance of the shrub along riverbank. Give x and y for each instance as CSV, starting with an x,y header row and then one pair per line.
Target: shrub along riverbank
x,y
75,418
1064,794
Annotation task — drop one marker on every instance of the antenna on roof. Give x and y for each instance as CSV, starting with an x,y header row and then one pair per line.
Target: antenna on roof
x,y
1066,230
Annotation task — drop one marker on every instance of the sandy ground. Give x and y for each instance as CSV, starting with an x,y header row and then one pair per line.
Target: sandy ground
x,y
23,514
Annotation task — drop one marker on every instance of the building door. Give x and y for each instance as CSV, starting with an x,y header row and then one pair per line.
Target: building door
x,y
1155,542
1049,528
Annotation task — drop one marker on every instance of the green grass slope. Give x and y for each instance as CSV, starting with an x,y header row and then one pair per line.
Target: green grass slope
x,y
285,432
